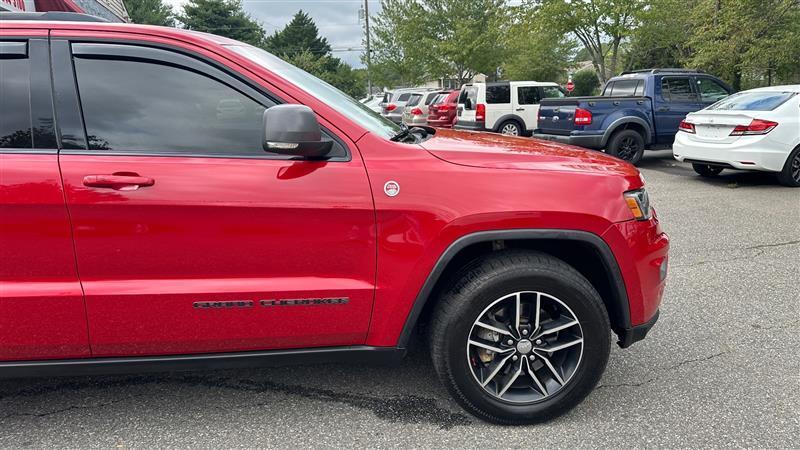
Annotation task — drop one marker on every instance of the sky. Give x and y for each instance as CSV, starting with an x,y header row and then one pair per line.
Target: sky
x,y
337,20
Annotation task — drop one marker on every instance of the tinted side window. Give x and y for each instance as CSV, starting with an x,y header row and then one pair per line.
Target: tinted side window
x,y
498,94
468,92
150,107
528,95
710,90
639,89
15,105
677,89
414,100
431,97
404,97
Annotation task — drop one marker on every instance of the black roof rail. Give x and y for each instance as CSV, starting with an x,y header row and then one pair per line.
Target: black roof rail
x,y
51,16
666,70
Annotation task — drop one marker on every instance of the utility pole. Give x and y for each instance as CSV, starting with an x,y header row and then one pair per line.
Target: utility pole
x,y
369,54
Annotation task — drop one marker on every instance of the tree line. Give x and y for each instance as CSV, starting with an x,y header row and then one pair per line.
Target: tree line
x,y
298,42
748,43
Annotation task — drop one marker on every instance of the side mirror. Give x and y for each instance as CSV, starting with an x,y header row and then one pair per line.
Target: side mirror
x,y
467,103
294,130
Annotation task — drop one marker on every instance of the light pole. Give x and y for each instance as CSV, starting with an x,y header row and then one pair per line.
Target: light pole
x,y
369,55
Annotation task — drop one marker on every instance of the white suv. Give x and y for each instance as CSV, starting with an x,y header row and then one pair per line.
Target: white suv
x,y
509,107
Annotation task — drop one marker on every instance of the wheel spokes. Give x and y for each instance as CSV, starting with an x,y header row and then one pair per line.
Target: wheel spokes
x,y
511,381
534,377
492,328
561,346
553,370
489,347
496,370
558,325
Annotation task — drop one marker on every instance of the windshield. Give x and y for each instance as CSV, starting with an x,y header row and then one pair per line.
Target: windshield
x,y
350,107
753,101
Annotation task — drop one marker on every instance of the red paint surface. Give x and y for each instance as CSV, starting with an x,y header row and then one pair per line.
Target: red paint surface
x,y
212,229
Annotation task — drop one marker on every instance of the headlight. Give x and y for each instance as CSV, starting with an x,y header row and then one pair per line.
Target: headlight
x,y
639,203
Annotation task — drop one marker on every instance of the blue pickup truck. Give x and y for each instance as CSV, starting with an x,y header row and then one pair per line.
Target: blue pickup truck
x,y
637,110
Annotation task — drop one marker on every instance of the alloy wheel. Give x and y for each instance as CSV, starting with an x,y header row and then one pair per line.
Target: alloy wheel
x,y
510,129
525,347
796,168
628,148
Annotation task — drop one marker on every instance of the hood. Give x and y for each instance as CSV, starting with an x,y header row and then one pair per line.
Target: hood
x,y
506,152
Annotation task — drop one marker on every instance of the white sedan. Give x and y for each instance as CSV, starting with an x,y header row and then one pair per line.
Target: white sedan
x,y
757,129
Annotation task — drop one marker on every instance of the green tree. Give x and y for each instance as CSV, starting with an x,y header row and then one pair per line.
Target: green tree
x,y
534,54
746,55
417,40
586,83
298,36
601,26
224,18
661,40
395,60
150,12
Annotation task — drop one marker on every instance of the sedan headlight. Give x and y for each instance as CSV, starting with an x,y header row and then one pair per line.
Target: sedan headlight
x,y
639,203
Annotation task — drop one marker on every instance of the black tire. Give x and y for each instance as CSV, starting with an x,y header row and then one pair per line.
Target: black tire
x,y
474,290
790,175
510,124
707,170
627,145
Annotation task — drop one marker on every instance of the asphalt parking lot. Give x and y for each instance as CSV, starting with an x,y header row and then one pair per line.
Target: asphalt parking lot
x,y
721,368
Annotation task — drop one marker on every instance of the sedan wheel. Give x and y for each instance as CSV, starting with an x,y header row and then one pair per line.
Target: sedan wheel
x,y
510,129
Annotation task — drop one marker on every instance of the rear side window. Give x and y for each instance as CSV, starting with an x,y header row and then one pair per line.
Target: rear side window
x,y
414,100
677,89
710,90
438,99
528,95
431,97
753,101
387,97
15,109
150,107
403,97
498,94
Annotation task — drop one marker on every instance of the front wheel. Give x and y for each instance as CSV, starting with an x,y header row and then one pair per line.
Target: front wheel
x,y
520,338
707,170
627,145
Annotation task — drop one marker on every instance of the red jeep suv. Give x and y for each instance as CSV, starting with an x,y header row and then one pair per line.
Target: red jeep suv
x,y
177,200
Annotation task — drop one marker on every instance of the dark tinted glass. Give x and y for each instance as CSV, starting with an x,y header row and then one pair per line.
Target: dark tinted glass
x,y
624,88
677,90
138,106
639,89
15,104
498,94
552,92
468,92
753,101
404,97
431,97
528,95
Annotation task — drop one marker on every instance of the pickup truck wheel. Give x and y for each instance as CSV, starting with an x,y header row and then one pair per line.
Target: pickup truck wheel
x,y
790,175
520,337
627,145
707,170
510,128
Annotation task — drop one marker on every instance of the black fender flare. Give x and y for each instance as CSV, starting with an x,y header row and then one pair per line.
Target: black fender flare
x,y
593,240
621,122
508,117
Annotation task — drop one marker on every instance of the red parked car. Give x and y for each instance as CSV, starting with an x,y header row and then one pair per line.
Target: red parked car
x,y
442,114
177,200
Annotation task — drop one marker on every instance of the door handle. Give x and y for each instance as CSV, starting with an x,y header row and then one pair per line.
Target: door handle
x,y
520,109
663,109
119,182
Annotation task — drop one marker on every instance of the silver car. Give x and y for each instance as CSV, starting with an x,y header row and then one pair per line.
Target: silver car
x,y
394,103
416,110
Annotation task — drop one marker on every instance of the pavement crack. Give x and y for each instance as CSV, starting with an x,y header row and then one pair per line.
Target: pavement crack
x,y
68,409
779,244
673,367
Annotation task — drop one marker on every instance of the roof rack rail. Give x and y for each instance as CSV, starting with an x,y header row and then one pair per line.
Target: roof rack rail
x,y
666,70
51,16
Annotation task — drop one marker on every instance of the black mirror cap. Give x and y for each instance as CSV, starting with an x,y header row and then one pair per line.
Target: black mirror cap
x,y
294,130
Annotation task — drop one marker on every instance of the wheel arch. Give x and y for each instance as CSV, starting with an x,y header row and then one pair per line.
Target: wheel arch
x,y
628,123
584,251
506,118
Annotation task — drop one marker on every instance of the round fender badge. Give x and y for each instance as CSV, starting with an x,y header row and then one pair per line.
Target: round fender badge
x,y
391,188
